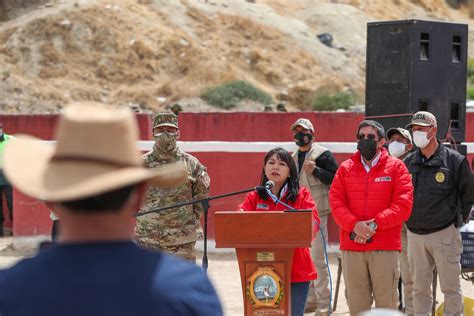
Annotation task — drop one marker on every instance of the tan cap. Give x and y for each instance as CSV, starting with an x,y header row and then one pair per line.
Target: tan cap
x,y
165,119
305,123
422,118
398,130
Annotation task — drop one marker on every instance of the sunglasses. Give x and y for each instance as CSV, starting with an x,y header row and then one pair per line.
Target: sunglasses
x,y
368,136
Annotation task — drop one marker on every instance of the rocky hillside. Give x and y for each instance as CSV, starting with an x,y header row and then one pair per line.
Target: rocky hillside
x,y
152,53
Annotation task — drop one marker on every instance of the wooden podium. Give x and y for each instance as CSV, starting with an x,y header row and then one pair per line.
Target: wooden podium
x,y
264,243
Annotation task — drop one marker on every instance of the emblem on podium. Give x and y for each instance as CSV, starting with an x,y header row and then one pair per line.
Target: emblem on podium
x,y
264,288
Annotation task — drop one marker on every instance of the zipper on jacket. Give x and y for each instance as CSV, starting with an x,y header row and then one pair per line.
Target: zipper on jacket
x,y
366,193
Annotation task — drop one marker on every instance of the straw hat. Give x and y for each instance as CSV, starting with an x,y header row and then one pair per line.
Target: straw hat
x,y
95,152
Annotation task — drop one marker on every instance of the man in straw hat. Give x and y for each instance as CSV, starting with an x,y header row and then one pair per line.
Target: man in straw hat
x,y
94,179
174,231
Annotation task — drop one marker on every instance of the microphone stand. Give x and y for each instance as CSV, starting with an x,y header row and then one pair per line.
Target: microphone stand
x,y
205,205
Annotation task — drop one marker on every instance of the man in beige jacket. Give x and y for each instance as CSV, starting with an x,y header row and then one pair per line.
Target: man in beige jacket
x,y
316,167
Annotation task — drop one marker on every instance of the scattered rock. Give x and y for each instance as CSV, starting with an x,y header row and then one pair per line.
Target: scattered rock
x,y
283,96
281,107
176,108
65,23
161,100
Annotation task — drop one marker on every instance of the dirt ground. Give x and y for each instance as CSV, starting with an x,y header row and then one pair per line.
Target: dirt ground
x,y
224,273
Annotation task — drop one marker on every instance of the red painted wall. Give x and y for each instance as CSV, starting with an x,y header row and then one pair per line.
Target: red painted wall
x,y
228,171
42,126
265,126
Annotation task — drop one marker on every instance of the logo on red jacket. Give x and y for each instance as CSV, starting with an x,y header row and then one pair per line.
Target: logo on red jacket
x,y
383,179
262,206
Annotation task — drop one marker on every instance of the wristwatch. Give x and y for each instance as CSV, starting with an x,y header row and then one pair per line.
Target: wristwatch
x,y
373,225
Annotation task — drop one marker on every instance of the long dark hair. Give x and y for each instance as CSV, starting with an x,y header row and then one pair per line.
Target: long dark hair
x,y
293,184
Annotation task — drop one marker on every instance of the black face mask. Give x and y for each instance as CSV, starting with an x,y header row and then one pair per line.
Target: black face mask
x,y
303,139
367,148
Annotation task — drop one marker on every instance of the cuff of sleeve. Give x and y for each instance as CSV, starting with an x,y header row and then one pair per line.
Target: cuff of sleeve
x,y
317,172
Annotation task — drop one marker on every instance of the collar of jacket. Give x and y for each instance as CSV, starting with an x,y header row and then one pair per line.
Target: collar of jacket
x,y
166,157
383,158
435,160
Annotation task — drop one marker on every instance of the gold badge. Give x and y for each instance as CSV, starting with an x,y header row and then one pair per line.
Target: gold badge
x,y
440,177
265,288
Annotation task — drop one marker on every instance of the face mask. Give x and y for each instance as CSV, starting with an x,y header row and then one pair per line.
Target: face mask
x,y
396,149
367,148
420,139
165,142
303,139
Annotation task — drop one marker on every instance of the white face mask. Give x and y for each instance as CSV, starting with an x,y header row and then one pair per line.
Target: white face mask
x,y
421,139
396,149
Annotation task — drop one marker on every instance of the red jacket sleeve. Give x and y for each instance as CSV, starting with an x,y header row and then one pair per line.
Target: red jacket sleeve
x,y
250,202
338,201
402,199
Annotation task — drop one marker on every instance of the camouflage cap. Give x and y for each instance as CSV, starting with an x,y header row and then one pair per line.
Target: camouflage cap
x,y
398,130
305,123
422,118
165,119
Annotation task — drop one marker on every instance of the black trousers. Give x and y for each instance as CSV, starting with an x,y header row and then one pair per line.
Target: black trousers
x,y
7,192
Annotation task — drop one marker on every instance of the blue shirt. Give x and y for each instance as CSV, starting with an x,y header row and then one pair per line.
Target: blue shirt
x,y
109,279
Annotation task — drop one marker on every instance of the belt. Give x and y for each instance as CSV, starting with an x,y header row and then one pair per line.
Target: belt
x,y
426,231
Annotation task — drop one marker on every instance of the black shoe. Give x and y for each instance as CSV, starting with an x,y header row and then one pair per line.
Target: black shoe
x,y
1,230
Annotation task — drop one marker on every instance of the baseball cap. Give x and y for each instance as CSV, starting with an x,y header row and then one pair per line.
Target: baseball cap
x,y
422,118
165,119
305,123
398,130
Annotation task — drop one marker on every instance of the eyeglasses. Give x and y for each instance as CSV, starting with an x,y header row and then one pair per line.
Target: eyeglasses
x,y
368,136
167,133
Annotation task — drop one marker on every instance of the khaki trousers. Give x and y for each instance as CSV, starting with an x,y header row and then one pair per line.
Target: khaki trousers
x,y
369,276
406,274
441,250
319,289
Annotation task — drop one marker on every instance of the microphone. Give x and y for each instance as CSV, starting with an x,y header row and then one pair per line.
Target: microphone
x,y
269,184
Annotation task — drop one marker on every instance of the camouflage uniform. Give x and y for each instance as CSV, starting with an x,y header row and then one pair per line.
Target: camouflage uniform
x,y
175,230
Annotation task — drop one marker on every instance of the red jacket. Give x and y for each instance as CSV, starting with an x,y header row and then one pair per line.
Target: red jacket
x,y
302,269
385,194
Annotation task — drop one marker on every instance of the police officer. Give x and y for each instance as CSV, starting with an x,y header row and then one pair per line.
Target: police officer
x,y
443,189
176,230
317,168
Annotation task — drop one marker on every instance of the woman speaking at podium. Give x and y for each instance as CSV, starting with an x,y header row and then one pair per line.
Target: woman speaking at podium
x,y
280,177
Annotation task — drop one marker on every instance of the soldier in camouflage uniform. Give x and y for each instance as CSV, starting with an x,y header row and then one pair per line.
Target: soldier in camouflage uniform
x,y
175,230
